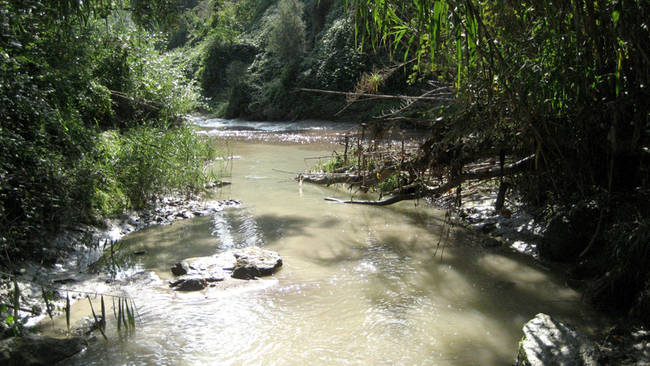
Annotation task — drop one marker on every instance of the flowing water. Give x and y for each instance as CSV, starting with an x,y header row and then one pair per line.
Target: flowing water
x,y
359,286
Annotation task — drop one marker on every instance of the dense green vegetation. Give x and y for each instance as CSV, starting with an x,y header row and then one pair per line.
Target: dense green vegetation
x,y
565,83
250,56
90,112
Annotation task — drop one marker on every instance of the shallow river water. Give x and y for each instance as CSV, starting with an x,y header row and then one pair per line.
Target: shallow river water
x,y
359,286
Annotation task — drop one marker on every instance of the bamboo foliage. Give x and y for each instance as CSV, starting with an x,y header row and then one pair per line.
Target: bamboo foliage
x,y
563,81
48,304
99,323
559,76
67,311
125,315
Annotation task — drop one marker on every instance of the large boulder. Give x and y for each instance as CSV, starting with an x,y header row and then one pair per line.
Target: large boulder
x,y
569,233
210,266
255,262
194,274
33,350
550,342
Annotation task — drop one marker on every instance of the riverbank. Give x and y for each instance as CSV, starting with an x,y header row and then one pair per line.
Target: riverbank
x,y
76,248
625,342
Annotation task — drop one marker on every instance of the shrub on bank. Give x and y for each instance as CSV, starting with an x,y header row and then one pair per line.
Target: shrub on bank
x,y
89,122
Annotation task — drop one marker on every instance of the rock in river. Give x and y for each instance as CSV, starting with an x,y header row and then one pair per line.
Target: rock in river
x,y
549,342
194,274
36,350
255,262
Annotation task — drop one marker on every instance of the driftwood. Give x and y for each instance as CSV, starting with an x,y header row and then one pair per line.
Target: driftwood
x,y
443,97
421,191
365,178
331,178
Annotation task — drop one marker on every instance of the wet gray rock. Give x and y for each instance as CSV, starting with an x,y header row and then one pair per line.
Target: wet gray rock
x,y
35,350
489,242
178,269
195,274
210,266
550,342
255,262
568,234
189,284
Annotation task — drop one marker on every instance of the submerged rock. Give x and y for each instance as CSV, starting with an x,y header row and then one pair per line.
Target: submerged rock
x,y
35,350
549,342
194,274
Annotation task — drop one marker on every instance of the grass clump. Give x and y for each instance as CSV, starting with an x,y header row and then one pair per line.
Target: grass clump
x,y
129,170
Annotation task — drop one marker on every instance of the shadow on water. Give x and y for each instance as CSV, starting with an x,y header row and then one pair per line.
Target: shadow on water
x,y
494,291
159,248
241,227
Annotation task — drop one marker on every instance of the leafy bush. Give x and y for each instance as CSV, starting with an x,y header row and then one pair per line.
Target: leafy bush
x,y
66,77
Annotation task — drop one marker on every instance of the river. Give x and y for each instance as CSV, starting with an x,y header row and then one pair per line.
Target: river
x,y
359,286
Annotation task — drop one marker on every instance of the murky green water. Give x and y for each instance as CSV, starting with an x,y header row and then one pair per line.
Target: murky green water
x,y
360,285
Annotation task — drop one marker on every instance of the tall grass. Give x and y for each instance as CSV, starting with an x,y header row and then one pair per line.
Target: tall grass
x,y
129,170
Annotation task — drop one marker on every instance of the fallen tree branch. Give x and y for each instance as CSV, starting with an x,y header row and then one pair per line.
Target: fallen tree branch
x,y
380,96
493,172
425,191
330,178
32,311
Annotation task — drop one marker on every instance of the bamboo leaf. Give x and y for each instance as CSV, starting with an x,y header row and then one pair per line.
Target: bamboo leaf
x,y
67,310
48,307
130,315
103,324
123,308
114,309
95,317
616,15
119,314
459,56
619,68
16,298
